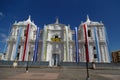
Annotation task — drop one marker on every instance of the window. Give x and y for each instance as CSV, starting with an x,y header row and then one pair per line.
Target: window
x,y
94,48
56,36
18,56
17,32
95,56
25,31
89,33
19,47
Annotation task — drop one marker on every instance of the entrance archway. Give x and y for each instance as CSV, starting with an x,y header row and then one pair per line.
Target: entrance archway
x,y
55,59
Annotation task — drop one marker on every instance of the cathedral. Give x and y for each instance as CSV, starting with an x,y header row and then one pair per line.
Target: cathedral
x,y
57,42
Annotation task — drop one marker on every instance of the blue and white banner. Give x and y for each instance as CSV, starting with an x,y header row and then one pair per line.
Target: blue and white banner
x,y
97,45
36,45
17,43
76,44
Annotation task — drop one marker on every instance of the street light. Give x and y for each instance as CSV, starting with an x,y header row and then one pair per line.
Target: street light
x,y
27,62
88,77
87,61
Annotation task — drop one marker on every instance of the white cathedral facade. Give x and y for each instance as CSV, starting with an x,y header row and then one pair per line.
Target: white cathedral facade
x,y
56,42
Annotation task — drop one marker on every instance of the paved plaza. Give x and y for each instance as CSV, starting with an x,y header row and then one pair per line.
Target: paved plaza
x,y
58,74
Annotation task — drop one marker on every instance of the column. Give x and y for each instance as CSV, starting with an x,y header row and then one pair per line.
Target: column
x,y
21,51
67,44
8,53
102,53
44,44
13,50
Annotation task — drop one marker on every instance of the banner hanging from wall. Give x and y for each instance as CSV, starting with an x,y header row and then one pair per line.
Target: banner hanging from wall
x,y
36,45
86,43
76,44
26,42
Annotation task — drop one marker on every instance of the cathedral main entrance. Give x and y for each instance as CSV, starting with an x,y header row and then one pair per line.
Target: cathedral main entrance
x,y
55,59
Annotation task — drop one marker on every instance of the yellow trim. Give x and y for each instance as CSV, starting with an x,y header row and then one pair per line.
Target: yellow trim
x,y
55,39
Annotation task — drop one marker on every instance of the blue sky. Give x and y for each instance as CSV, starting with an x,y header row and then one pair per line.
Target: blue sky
x,y
69,12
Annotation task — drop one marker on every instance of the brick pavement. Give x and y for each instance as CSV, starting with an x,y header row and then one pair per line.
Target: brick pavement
x,y
57,74
35,76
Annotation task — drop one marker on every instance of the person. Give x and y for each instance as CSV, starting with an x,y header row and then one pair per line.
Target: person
x,y
15,64
93,63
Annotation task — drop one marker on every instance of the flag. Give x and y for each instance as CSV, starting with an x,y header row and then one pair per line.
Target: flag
x,y
86,43
97,44
17,43
36,45
76,45
26,41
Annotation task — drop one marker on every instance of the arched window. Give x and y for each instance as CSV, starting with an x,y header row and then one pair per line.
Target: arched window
x,y
25,31
56,38
89,33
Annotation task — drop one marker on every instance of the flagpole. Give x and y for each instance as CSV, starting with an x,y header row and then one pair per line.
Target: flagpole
x,y
27,62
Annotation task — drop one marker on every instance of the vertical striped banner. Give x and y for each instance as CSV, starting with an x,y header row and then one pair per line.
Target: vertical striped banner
x,y
17,43
86,43
26,41
97,44
36,45
76,44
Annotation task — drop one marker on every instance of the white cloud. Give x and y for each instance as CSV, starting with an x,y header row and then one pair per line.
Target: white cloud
x,y
3,37
1,14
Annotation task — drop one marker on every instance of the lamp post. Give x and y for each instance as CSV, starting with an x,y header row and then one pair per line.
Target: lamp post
x,y
27,62
87,67
88,77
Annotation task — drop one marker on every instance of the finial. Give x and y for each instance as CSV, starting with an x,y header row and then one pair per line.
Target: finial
x,y
29,19
15,22
88,19
44,24
57,21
